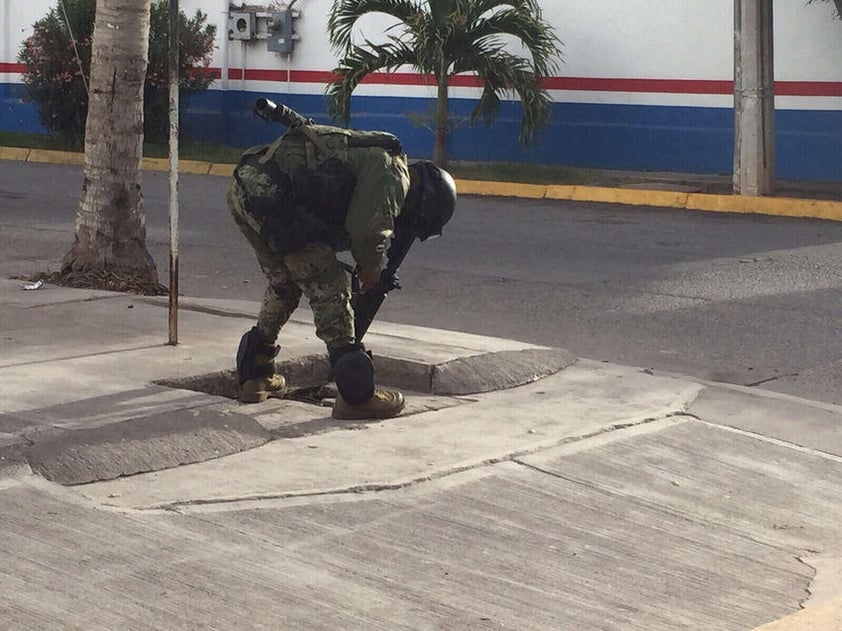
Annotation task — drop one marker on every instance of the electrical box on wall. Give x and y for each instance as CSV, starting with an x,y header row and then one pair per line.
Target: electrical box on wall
x,y
279,36
241,26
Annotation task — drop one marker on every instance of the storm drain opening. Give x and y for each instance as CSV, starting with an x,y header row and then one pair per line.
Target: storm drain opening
x,y
307,378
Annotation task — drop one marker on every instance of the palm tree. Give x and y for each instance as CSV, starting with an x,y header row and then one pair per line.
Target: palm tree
x,y
110,222
444,38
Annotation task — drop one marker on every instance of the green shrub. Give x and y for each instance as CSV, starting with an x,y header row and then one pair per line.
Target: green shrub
x,y
54,80
195,47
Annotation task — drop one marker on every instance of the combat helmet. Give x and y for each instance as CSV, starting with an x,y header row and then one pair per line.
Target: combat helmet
x,y
431,202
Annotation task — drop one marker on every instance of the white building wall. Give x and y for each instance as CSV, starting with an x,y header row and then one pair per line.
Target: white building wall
x,y
646,39
651,53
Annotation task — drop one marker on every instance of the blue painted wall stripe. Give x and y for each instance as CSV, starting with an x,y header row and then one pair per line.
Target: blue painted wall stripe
x,y
638,137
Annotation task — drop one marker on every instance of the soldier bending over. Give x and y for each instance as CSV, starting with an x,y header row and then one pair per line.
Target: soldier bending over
x,y
315,191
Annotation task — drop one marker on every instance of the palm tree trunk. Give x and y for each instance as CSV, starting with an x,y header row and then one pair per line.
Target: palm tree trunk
x,y
442,125
110,221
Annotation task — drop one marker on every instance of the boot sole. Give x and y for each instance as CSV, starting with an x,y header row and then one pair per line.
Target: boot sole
x,y
353,415
253,397
364,417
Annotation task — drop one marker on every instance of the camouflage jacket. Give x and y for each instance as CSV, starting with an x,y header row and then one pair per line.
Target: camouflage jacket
x,y
380,180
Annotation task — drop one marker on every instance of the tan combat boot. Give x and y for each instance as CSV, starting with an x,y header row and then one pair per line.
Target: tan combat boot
x,y
384,404
256,369
259,389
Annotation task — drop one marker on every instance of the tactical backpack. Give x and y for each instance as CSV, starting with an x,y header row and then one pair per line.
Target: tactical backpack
x,y
311,206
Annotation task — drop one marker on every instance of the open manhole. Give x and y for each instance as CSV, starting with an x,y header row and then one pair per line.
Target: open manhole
x,y
308,377
308,380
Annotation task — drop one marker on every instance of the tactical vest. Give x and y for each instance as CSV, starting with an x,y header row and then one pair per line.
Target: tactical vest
x,y
297,190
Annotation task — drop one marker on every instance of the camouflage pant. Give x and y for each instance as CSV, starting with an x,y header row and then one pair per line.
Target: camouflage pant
x,y
314,271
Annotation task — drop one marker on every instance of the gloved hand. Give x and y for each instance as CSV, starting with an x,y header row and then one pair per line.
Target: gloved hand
x,y
368,277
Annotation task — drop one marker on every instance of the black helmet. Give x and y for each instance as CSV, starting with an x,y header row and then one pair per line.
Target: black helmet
x,y
431,200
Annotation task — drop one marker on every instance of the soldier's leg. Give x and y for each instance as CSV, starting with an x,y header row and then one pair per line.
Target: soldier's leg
x,y
323,279
325,282
257,351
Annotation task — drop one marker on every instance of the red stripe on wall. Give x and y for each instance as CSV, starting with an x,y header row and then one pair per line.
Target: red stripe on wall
x,y
666,86
585,84
808,88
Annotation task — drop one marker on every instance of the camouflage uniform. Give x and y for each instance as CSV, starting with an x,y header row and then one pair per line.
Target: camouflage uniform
x,y
382,182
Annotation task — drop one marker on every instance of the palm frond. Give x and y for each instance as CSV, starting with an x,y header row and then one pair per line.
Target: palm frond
x,y
441,10
450,37
345,13
475,9
504,73
359,62
535,34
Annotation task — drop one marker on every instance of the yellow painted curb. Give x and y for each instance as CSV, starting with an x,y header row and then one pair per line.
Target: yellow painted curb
x,y
501,189
223,170
55,157
14,153
780,206
194,167
826,616
632,196
154,164
561,191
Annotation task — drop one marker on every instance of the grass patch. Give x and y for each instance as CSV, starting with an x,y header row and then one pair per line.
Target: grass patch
x,y
206,152
34,141
520,173
225,154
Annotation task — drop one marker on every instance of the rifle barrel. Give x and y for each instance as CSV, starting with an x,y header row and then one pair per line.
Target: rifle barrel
x,y
268,110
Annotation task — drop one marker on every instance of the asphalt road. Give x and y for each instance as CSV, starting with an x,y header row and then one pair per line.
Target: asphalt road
x,y
750,300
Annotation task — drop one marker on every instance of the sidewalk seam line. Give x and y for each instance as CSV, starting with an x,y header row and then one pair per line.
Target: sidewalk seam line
x,y
396,486
685,516
771,440
72,357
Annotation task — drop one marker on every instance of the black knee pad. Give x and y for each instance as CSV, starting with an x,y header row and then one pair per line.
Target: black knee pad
x,y
353,371
255,357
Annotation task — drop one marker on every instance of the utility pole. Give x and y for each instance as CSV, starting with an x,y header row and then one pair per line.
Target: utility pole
x,y
754,98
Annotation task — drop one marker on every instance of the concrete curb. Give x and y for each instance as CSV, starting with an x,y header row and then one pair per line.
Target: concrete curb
x,y
775,206
143,444
113,407
778,206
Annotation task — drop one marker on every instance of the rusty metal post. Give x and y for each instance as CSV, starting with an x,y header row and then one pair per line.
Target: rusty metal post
x,y
173,147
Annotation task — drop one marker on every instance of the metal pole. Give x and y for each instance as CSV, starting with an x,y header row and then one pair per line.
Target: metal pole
x,y
173,111
224,47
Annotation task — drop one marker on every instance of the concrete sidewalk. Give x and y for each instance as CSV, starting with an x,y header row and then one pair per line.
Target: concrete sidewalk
x,y
522,488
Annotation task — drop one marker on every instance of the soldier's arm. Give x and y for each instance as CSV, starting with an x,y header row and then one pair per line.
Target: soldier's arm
x,y
382,184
